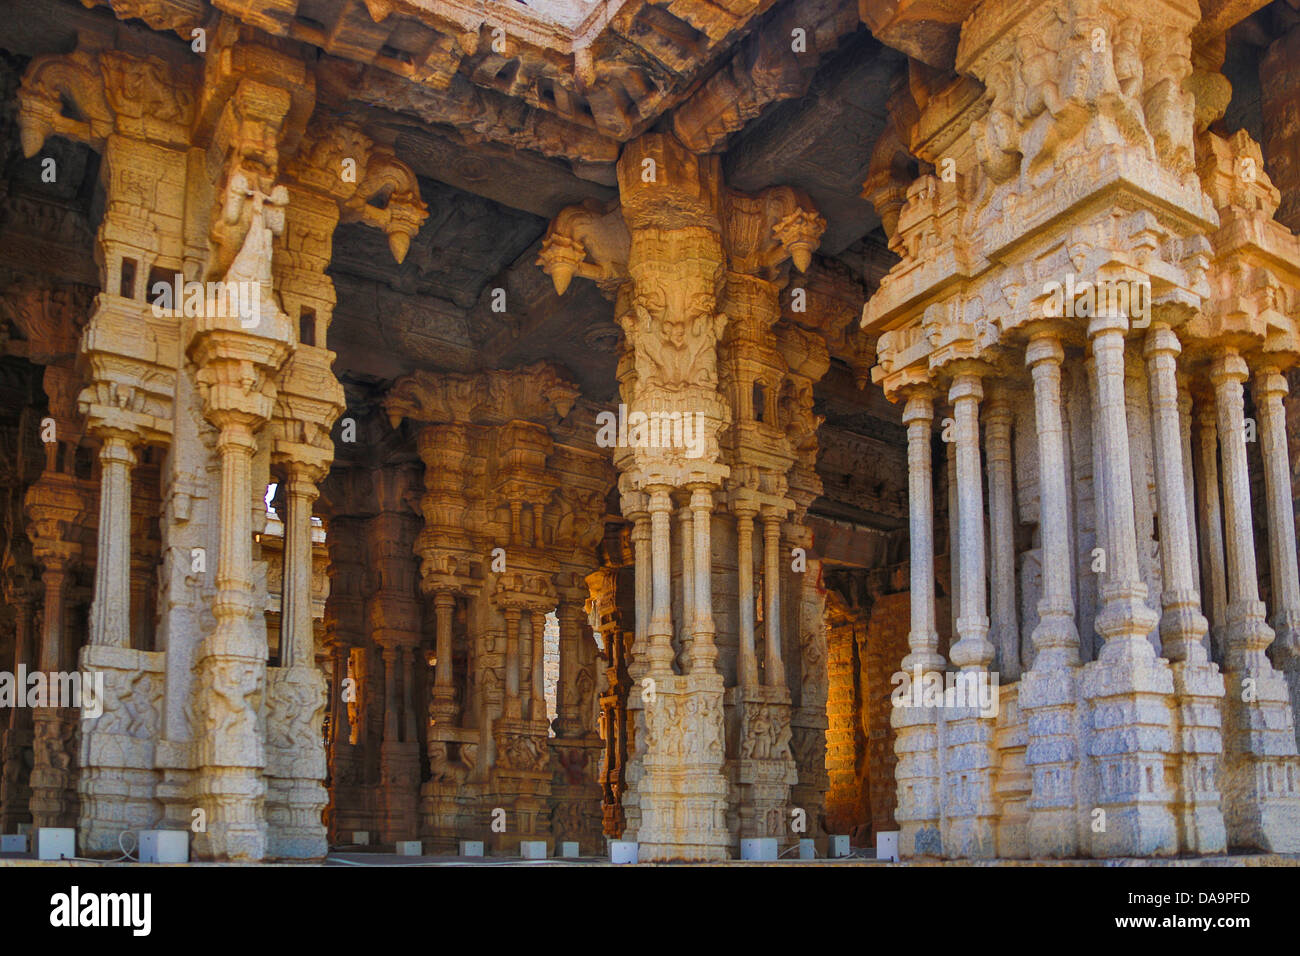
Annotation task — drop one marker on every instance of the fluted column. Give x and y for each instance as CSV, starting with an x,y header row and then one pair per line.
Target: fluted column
x,y
410,732
1248,636
1048,692
1055,637
659,653
704,651
1212,523
392,732
444,687
1198,686
773,663
513,708
922,637
537,712
569,708
972,649
1261,802
748,669
643,583
1182,625
1189,490
1125,619
1128,687
998,417
297,638
110,610
686,546
1270,388
916,739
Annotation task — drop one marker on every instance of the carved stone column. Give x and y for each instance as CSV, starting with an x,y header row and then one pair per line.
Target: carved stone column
x,y
969,759
916,737
1127,686
1049,691
748,668
1270,389
998,417
16,755
110,612
1212,557
659,653
1197,683
1259,739
773,662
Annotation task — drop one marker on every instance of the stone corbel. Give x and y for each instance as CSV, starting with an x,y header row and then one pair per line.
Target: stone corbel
x,y
590,240
64,96
388,198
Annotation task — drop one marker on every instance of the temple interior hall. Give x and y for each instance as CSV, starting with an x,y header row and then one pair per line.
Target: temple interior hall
x,y
685,423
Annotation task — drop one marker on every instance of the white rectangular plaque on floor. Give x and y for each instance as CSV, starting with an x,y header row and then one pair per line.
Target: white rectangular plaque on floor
x,y
471,847
807,849
165,846
887,845
622,851
532,849
569,850
758,848
56,843
839,845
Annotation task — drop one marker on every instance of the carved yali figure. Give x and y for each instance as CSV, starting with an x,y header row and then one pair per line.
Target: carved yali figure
x,y
676,333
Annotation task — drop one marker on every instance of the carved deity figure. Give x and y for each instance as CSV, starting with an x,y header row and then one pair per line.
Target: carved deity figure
x,y
676,332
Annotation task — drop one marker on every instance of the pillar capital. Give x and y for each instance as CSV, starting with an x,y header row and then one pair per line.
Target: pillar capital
x,y
1229,367
1161,340
919,407
966,384
1044,346
1100,325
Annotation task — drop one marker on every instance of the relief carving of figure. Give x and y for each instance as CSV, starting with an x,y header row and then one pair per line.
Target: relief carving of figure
x,y
677,332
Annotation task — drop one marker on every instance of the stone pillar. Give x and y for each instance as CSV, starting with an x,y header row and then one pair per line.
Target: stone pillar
x,y
641,555
110,610
54,778
998,417
748,666
297,640
513,708
15,780
659,652
537,714
444,683
569,709
1270,388
1198,686
969,758
916,740
1261,811
686,544
1189,491
1049,690
1212,525
1127,686
703,656
773,664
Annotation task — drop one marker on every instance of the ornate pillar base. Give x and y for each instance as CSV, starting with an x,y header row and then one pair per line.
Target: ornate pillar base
x,y
54,767
520,783
682,790
758,719
295,764
1049,701
1129,692
15,779
969,763
575,793
916,742
1198,699
399,769
1013,782
118,781
1261,774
